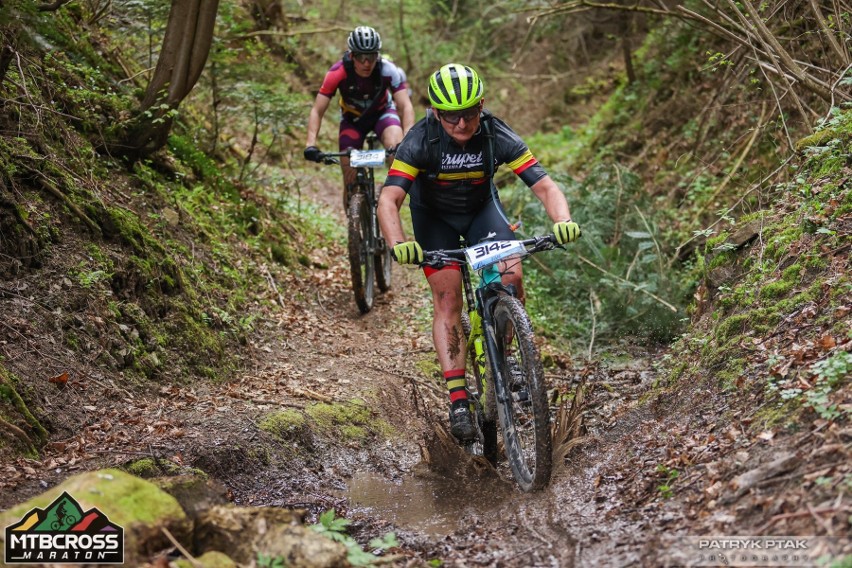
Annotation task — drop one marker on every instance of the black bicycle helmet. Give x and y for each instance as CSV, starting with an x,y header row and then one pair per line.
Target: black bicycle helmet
x,y
364,39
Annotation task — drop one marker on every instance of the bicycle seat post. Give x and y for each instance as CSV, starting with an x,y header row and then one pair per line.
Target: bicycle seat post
x,y
371,141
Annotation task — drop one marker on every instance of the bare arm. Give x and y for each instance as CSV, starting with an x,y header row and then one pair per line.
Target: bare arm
x,y
390,202
552,198
315,118
405,109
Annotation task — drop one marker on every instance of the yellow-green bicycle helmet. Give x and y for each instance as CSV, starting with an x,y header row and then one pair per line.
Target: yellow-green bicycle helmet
x,y
455,87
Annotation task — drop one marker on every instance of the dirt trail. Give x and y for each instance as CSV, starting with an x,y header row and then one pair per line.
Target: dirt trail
x,y
318,348
467,515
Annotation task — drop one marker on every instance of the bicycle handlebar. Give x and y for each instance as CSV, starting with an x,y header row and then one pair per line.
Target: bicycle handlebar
x,y
439,258
333,157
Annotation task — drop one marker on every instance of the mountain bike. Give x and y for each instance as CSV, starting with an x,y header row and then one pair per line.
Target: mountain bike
x,y
370,259
506,373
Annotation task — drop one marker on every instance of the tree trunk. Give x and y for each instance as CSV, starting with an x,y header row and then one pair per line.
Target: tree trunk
x,y
186,45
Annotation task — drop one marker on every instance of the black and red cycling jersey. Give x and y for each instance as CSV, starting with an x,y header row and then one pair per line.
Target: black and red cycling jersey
x,y
361,96
461,185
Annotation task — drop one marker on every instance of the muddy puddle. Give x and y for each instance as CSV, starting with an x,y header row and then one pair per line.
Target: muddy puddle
x,y
432,505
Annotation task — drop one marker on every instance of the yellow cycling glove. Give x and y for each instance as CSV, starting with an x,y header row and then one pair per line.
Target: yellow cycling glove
x,y
566,231
408,253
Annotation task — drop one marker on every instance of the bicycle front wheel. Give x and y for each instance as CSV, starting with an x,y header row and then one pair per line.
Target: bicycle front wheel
x,y
384,263
523,410
361,259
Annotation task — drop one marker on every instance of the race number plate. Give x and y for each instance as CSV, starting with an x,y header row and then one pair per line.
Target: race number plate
x,y
367,158
485,254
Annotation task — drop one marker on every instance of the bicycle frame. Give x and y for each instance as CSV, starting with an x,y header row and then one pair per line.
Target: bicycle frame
x,y
479,303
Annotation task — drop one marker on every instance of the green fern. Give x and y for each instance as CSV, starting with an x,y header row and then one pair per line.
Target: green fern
x,y
333,527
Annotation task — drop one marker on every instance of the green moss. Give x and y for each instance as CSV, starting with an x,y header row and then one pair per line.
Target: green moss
x,y
716,240
150,467
776,289
210,559
124,498
187,151
791,273
748,217
9,394
788,305
146,467
349,421
429,367
353,412
723,258
733,373
283,424
128,227
72,341
816,139
815,263
781,413
779,243
731,326
353,433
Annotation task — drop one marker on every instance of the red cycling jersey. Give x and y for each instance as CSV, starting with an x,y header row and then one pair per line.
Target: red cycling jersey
x,y
360,96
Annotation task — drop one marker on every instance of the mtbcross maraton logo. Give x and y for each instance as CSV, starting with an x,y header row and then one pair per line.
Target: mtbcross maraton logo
x,y
62,533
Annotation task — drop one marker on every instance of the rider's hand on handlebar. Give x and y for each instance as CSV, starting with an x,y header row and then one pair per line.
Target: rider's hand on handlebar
x,y
408,253
313,154
566,231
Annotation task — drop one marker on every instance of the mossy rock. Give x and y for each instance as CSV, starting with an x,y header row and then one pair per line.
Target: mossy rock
x,y
243,532
195,492
286,424
351,421
212,559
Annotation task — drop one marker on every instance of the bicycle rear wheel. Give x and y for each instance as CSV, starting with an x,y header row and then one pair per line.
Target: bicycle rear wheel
x,y
361,260
523,411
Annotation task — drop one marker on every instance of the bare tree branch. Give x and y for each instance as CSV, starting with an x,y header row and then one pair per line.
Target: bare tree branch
x,y
741,23
829,35
52,7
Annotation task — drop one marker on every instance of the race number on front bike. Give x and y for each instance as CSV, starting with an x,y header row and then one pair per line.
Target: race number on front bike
x,y
491,252
367,158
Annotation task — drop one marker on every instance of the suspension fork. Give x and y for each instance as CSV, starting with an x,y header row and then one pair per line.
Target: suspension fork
x,y
369,185
479,306
487,296
475,344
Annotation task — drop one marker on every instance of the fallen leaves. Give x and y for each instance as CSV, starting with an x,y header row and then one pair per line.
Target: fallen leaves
x,y
59,379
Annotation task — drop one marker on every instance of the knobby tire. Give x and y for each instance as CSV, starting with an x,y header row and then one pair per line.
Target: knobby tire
x,y
384,263
523,414
361,261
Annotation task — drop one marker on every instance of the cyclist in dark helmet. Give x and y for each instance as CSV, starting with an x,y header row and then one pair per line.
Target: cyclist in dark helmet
x,y
446,165
373,96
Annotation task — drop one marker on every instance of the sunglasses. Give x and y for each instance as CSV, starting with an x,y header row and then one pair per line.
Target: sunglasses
x,y
365,57
454,116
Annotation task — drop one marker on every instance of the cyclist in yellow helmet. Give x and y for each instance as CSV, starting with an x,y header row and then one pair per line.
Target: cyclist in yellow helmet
x,y
446,165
